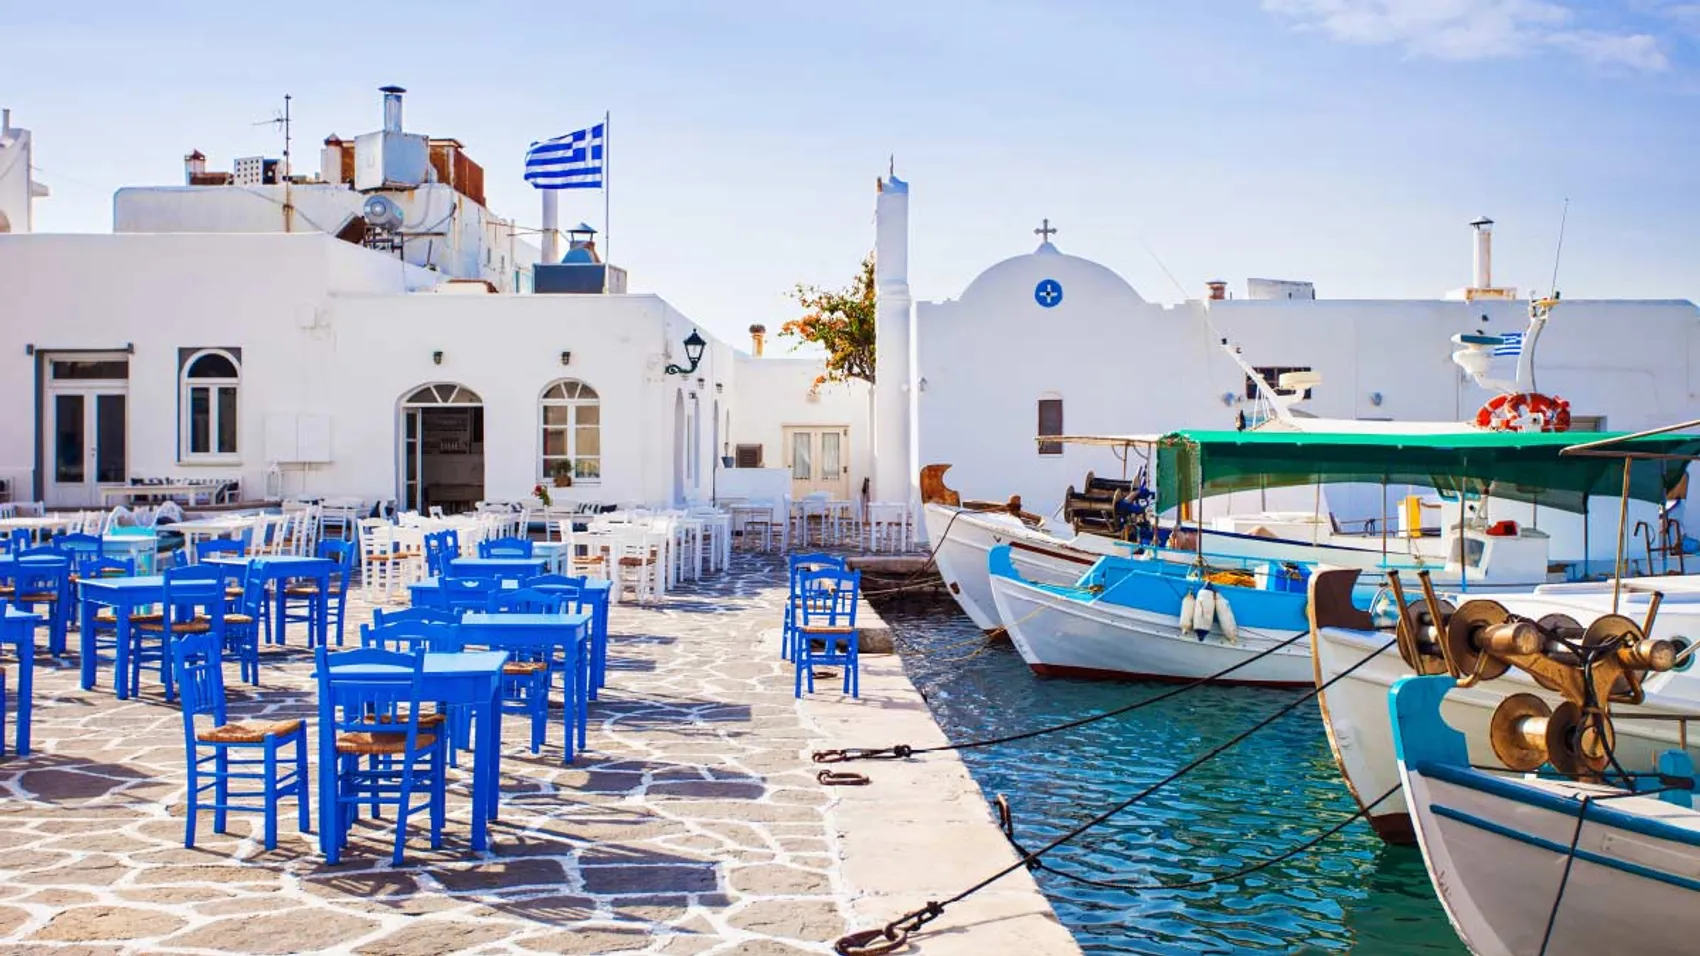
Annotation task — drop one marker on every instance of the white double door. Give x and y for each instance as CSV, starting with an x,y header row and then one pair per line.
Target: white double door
x,y
819,460
85,441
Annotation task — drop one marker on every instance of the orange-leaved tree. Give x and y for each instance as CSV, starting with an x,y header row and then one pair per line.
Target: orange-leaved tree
x,y
842,322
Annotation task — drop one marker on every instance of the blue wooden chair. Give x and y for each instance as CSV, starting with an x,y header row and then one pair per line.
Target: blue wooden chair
x,y
41,578
192,603
462,594
524,601
244,621
797,564
505,548
15,540
212,742
300,602
408,635
545,582
428,615
438,554
220,548
826,626
377,716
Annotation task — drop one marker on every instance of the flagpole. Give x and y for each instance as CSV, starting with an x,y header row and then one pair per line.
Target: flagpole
x,y
607,128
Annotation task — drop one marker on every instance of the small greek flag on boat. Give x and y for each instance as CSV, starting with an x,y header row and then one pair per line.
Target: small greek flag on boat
x,y
572,161
1513,344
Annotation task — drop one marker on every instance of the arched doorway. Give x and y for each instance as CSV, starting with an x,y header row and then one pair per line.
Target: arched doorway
x,y
441,448
678,447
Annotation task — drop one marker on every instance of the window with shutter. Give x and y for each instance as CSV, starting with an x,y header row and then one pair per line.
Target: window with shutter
x,y
748,456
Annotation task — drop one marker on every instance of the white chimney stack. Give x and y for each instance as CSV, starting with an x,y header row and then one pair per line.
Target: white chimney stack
x,y
1484,253
5,119
392,108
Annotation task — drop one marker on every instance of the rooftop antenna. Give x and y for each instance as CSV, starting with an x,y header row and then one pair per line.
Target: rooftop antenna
x,y
281,120
1563,217
1539,310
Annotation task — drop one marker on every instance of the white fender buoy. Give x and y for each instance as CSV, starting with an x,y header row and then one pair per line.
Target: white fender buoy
x,y
1189,609
1225,619
1204,616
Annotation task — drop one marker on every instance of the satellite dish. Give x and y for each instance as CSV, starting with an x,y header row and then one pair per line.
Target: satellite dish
x,y
382,212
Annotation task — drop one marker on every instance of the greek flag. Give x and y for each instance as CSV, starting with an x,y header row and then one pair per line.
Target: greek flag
x,y
572,161
1513,344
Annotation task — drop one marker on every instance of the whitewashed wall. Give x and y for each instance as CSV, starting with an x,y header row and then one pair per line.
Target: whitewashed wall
x,y
1123,366
325,328
772,393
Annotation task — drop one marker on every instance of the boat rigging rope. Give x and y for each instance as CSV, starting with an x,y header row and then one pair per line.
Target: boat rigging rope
x,y
1039,864
896,933
903,751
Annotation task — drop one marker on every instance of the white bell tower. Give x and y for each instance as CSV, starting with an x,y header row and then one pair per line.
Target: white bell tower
x,y
895,478
17,191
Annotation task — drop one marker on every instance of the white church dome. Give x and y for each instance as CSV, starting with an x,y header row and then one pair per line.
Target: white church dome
x,y
1048,278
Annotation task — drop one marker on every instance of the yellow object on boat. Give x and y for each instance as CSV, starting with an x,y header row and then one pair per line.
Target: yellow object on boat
x,y
1232,578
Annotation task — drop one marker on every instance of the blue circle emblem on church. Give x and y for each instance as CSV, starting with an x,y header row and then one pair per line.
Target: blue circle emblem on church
x,y
1048,293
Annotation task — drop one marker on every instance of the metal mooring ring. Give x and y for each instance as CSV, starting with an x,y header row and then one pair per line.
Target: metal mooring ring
x,y
871,942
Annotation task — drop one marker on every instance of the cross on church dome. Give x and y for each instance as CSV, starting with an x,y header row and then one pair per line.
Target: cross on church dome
x,y
1045,231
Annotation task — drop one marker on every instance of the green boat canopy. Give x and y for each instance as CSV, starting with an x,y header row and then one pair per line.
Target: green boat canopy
x,y
1523,466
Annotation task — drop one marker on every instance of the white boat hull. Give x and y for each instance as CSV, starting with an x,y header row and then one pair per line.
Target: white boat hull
x,y
1058,637
1360,731
961,540
1498,848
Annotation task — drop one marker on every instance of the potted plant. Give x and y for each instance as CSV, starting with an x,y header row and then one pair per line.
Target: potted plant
x,y
541,494
563,473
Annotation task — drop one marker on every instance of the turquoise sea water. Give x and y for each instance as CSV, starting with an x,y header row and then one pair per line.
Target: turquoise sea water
x,y
1279,788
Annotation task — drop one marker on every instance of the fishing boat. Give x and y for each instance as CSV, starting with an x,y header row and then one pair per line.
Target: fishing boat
x,y
1156,617
1355,667
1576,861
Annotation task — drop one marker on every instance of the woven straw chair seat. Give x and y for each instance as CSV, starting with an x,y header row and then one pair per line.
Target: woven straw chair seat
x,y
366,744
6,590
233,592
824,629
432,719
308,589
635,562
248,733
517,668
197,625
38,597
239,619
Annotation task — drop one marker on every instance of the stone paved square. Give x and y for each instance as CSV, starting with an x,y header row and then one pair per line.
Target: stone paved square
x,y
692,823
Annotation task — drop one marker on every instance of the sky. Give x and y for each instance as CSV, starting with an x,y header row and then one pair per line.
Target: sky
x,y
1348,142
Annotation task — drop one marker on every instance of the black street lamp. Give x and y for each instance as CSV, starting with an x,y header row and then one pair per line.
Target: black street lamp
x,y
693,351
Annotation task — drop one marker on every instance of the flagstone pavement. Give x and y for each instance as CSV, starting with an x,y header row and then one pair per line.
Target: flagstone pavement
x,y
692,825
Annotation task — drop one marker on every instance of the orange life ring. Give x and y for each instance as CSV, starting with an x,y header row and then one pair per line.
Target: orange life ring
x,y
1525,411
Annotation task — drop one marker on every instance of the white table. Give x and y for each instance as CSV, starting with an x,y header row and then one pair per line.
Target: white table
x,y
36,526
132,492
203,529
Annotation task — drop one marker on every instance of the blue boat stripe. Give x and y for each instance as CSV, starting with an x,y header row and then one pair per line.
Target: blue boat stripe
x,y
1597,812
1623,866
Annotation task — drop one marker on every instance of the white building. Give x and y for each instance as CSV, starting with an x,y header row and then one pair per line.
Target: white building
x,y
216,335
18,190
1051,343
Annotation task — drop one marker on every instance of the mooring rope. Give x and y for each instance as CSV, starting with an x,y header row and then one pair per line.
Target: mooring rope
x,y
896,933
902,751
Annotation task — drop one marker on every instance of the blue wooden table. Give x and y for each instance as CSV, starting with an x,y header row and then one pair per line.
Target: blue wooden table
x,y
279,568
542,633
472,679
504,569
18,629
597,593
123,596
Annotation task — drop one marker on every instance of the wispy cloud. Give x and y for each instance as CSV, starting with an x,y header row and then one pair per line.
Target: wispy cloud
x,y
1478,29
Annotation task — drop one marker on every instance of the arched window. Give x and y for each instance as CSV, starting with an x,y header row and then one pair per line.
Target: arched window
x,y
208,387
572,431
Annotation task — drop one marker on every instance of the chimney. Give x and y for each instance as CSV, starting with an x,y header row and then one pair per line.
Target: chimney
x,y
1218,289
392,108
5,119
1484,254
194,165
758,333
